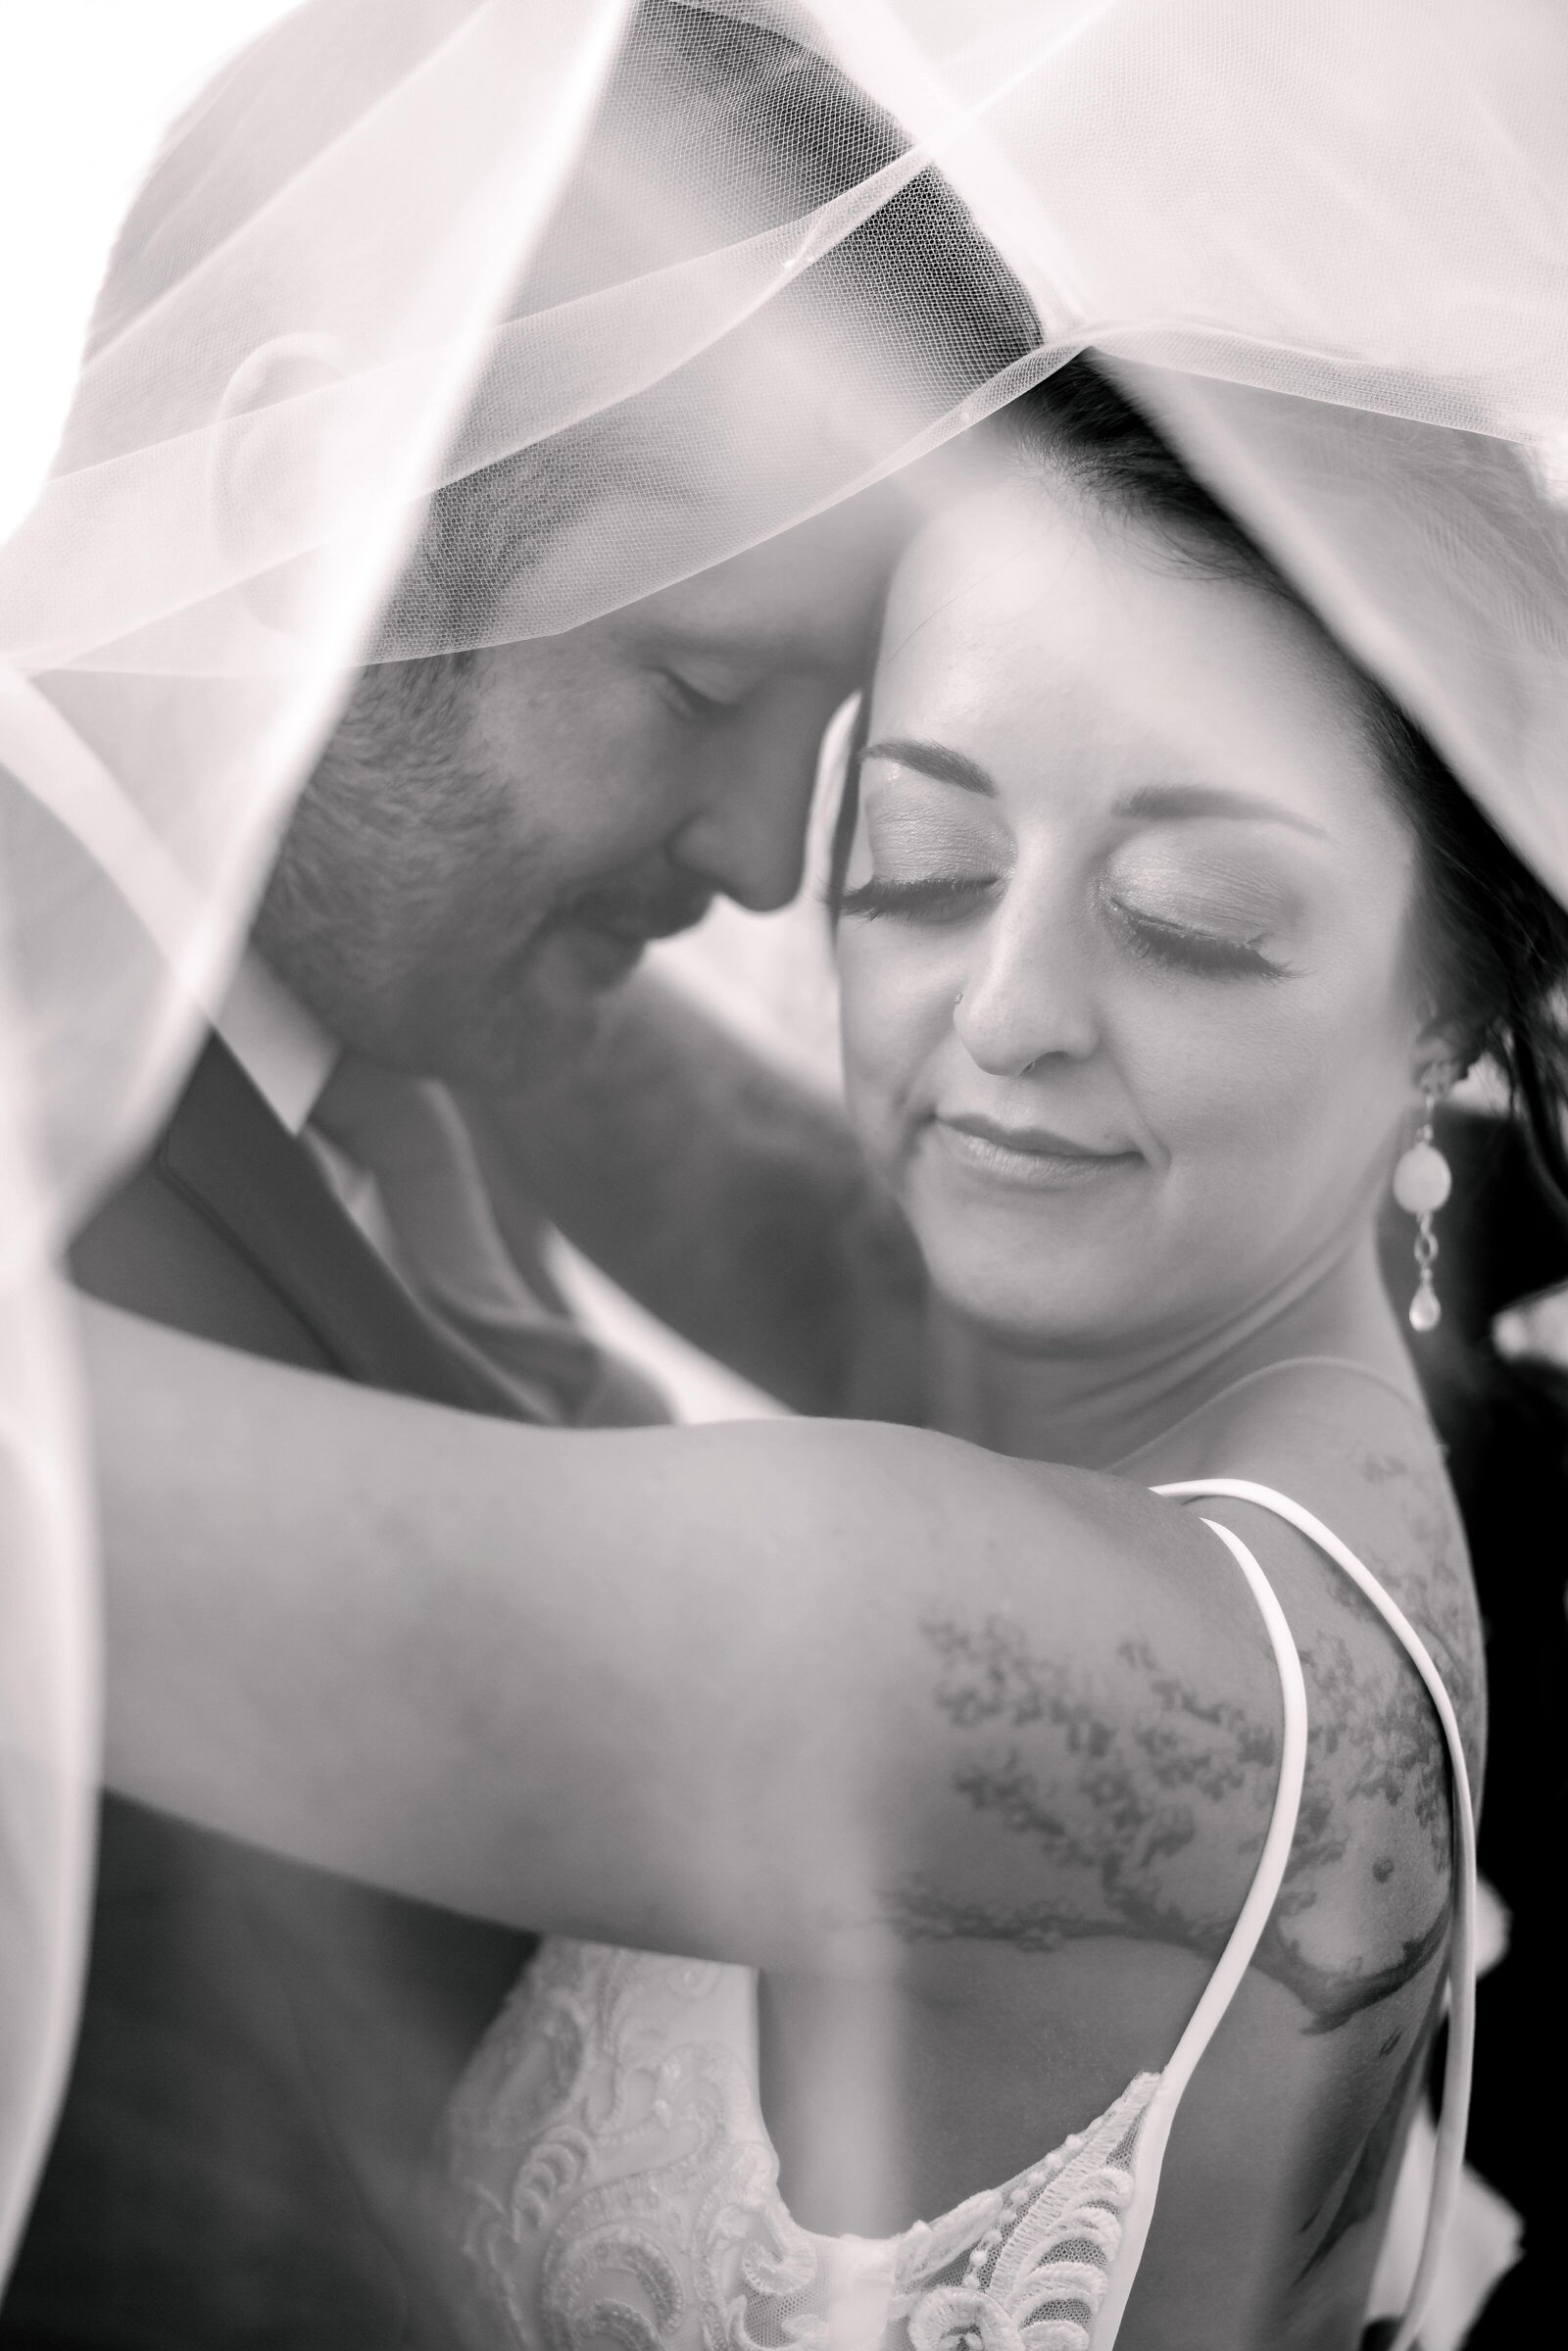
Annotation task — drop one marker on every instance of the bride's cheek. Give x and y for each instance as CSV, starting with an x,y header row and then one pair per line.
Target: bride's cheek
x,y
892,1020
896,995
1245,1099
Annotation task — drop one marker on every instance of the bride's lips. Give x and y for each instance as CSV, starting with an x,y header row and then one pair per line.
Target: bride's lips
x,y
1032,1155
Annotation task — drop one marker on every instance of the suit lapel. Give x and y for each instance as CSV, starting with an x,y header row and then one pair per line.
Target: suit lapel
x,y
226,1153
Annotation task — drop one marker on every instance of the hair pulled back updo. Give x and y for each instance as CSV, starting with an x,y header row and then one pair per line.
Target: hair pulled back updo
x,y
1491,940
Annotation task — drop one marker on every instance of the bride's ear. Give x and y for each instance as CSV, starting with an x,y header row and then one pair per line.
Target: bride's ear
x,y
1445,1053
266,482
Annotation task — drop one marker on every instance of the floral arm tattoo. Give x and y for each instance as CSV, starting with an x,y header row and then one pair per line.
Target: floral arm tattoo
x,y
1133,1800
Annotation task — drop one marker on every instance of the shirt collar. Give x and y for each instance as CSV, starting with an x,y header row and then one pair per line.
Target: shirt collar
x,y
282,1048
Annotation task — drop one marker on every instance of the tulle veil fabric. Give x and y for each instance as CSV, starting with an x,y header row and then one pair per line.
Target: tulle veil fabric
x,y
445,323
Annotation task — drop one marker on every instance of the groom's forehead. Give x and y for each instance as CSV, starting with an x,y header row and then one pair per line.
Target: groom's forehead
x,y
783,597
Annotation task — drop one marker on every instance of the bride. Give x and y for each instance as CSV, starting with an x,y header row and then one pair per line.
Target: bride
x,y
1123,1033
1058,1816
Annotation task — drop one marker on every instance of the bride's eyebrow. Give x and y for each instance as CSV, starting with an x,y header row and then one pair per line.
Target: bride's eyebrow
x,y
1208,800
934,760
1160,801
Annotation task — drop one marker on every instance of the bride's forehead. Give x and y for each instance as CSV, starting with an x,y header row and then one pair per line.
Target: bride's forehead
x,y
1043,559
1060,651
1021,594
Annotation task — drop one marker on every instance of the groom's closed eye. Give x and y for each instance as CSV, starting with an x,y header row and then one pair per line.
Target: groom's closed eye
x,y
706,676
692,698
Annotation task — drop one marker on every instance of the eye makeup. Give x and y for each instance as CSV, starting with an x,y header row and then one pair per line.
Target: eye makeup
x,y
1183,894
1197,906
935,857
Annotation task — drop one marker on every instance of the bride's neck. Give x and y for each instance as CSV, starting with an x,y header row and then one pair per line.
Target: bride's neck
x,y
1094,1408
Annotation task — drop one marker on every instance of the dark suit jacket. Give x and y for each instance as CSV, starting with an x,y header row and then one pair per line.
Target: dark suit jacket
x,y
265,2048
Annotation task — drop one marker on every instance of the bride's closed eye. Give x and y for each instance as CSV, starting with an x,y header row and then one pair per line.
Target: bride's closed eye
x,y
927,864
936,898
1196,909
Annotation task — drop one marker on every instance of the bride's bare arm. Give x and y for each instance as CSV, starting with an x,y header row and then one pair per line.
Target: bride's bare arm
x,y
676,1688
730,1199
802,1694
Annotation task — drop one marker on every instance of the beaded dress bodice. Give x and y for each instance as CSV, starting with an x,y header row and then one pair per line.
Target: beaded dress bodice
x,y
609,2180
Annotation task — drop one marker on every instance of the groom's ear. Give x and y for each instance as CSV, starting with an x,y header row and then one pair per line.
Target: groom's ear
x,y
266,486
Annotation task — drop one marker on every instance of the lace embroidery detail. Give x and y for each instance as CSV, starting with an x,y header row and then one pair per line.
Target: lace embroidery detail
x,y
611,2186
1036,2272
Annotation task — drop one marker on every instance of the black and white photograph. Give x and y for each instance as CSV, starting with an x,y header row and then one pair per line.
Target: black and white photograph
x,y
783,1175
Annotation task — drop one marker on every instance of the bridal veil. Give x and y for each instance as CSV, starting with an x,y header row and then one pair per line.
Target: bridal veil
x,y
443,322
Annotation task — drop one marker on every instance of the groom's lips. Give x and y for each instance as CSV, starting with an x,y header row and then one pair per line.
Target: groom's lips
x,y
607,940
602,956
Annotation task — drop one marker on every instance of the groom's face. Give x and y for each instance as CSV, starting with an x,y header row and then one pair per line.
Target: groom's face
x,y
491,838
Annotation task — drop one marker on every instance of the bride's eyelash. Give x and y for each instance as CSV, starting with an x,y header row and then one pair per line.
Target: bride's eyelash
x,y
944,897
1193,951
938,899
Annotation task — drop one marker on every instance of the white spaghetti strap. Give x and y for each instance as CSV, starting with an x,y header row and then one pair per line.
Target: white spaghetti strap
x,y
1237,1956
1455,2117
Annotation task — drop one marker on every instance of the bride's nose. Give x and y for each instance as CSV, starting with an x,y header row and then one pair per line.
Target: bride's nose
x,y
1026,995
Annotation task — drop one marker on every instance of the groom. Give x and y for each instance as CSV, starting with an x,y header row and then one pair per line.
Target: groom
x,y
265,2049
487,844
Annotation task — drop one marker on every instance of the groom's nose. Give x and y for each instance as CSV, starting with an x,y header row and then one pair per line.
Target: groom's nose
x,y
747,839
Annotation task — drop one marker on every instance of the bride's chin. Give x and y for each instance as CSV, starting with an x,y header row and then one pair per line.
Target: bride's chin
x,y
1033,1301
1039,1277
1032,1218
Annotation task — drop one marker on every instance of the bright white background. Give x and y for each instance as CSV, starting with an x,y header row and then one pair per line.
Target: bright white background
x,y
86,89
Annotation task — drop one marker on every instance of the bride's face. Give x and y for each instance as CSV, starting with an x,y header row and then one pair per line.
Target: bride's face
x,y
1126,1008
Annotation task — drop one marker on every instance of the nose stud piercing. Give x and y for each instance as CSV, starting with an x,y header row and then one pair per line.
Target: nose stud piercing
x,y
1422,1182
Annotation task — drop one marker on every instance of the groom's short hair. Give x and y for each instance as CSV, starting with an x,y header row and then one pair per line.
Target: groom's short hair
x,y
751,127
761,127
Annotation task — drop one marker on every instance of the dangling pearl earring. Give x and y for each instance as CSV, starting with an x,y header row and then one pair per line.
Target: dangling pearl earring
x,y
1422,1182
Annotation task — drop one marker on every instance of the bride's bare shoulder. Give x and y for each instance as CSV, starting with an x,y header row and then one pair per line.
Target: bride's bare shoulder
x,y
1366,1901
1363,1458
1103,1726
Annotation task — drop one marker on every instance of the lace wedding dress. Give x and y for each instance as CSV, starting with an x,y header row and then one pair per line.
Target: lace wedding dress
x,y
612,2181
